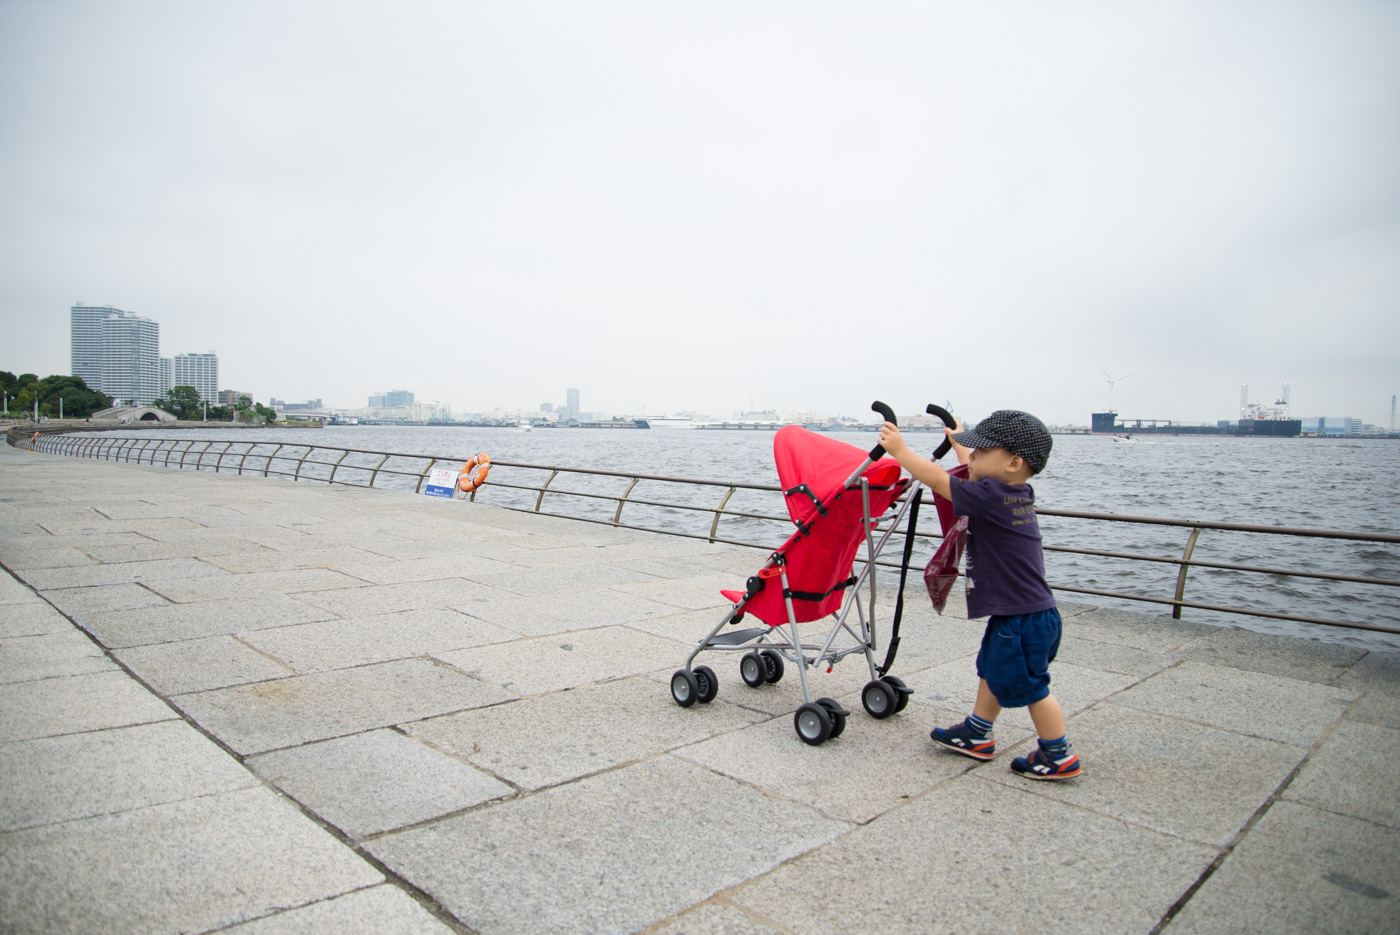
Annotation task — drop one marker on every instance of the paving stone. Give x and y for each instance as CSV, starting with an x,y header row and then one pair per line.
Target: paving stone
x,y
379,569
1112,657
1155,634
378,910
149,551
563,579
269,715
954,685
546,740
188,866
554,558
1300,870
46,579
715,919
1376,671
48,707
265,560
543,664
36,619
199,665
226,586
1377,708
913,863
177,622
29,559
1353,774
455,593
562,613
77,602
1169,775
340,644
69,652
872,767
1269,706
1277,655
687,593
682,626
376,781
57,779
600,855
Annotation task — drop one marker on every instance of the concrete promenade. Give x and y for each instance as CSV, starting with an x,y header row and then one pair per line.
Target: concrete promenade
x,y
247,705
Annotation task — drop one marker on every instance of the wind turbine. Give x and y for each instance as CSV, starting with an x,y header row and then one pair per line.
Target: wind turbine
x,y
1112,381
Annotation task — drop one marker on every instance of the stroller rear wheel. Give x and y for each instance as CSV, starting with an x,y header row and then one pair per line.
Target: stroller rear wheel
x,y
902,691
706,682
838,715
880,699
684,688
774,663
753,670
813,723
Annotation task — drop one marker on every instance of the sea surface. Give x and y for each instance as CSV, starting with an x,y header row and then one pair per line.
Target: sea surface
x,y
1340,484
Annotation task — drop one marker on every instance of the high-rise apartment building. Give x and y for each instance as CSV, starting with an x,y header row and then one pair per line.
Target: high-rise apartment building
x,y
200,371
572,403
86,341
130,358
167,372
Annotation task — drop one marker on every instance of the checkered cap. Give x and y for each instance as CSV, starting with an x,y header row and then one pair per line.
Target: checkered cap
x,y
1018,432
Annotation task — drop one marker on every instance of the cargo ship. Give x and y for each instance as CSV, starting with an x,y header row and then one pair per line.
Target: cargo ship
x,y
1255,420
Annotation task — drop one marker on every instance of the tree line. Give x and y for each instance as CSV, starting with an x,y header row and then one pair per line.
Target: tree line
x,y
80,402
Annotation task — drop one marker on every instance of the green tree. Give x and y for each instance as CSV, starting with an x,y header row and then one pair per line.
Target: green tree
x,y
182,402
79,402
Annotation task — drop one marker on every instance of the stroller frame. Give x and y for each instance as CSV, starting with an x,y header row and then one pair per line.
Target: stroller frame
x,y
766,648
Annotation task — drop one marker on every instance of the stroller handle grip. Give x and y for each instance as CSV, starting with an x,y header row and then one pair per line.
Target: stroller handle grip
x,y
948,420
878,451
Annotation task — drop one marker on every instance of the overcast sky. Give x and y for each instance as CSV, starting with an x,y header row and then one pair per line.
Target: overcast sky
x,y
695,205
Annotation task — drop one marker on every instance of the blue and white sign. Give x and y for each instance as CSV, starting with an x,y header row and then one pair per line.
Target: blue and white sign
x,y
441,482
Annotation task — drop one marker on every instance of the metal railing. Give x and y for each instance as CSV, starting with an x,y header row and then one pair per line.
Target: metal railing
x,y
357,467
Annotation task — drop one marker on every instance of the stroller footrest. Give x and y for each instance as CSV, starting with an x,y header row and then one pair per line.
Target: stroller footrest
x,y
736,637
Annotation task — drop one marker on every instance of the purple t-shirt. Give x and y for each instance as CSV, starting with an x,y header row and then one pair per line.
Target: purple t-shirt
x,y
1005,563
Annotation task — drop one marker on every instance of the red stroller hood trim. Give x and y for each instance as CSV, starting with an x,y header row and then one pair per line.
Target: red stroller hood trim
x,y
823,464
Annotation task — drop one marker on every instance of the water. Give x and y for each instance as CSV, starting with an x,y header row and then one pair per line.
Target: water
x,y
1321,483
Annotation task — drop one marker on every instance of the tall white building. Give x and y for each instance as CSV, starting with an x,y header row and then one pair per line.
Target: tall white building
x,y
167,370
571,397
86,341
130,358
200,371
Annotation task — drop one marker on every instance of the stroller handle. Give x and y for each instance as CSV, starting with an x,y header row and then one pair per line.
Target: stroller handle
x,y
949,421
878,451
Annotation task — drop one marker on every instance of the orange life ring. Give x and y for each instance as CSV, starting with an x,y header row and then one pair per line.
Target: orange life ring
x,y
466,483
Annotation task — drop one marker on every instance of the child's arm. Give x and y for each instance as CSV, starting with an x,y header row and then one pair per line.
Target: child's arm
x,y
922,469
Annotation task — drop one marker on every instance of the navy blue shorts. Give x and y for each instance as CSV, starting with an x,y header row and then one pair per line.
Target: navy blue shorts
x,y
1016,655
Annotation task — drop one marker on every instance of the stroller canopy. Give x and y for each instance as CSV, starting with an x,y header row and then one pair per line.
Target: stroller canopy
x,y
813,469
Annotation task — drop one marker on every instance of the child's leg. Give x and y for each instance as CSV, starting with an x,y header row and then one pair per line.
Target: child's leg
x,y
987,706
1048,717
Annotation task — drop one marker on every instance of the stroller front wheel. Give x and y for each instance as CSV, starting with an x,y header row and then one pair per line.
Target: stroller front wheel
x,y
684,688
813,723
880,699
774,664
902,691
706,682
752,670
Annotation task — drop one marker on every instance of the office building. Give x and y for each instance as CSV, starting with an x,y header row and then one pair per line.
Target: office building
x,y
130,358
379,402
571,404
398,398
230,397
200,371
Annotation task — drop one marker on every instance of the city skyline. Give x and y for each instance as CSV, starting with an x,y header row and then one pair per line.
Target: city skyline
x,y
688,208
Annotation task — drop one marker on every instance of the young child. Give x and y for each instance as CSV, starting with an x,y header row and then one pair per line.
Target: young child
x,y
1005,577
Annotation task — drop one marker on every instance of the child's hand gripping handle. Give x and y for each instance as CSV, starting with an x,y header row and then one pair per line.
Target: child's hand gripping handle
x,y
878,451
949,421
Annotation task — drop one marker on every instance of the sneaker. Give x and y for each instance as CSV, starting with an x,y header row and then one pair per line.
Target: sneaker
x,y
1039,766
960,739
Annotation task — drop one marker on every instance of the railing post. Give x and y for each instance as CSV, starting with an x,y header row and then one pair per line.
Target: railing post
x,y
335,467
375,472
1185,568
418,487
200,462
246,451
297,475
553,473
719,510
219,462
622,501
268,466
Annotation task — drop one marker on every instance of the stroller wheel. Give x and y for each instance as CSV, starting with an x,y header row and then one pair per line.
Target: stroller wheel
x,y
880,699
684,688
706,682
752,670
813,723
838,715
901,691
774,664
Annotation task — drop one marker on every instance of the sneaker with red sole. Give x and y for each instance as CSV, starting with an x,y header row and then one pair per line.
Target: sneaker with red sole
x,y
960,739
1039,766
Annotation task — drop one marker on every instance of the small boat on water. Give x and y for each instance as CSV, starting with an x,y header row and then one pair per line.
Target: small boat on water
x,y
525,426
1125,438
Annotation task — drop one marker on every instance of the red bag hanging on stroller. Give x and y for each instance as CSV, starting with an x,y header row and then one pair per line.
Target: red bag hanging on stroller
x,y
835,497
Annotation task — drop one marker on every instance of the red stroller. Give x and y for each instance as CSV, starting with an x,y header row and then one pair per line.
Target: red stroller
x,y
836,495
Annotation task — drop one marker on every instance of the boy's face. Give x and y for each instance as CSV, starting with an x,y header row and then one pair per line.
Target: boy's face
x,y
998,464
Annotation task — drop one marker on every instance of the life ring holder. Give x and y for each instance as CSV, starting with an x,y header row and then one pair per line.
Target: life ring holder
x,y
467,484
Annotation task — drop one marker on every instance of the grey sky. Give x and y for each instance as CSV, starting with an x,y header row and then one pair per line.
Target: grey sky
x,y
691,205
